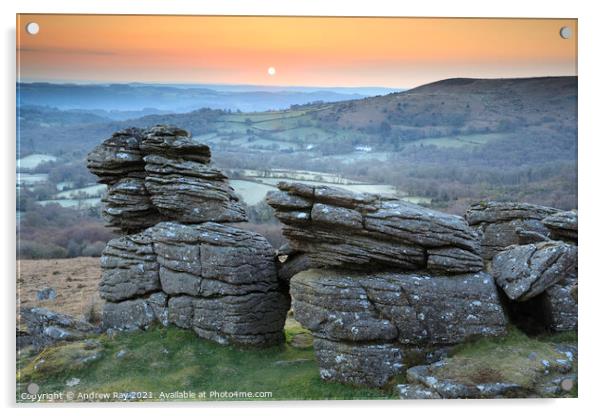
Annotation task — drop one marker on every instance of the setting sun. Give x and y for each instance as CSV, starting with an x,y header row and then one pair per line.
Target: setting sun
x,y
318,51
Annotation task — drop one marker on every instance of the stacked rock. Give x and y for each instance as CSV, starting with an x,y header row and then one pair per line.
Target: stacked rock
x,y
502,224
390,280
534,259
177,262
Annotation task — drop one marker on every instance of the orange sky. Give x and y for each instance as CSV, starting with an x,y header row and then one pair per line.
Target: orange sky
x,y
316,51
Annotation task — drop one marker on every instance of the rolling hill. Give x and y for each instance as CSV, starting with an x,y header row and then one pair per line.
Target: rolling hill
x,y
454,107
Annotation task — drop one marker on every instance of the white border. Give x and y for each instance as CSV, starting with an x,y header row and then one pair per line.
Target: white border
x,y
590,137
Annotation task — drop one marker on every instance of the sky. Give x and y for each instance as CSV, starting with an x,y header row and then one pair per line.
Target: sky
x,y
287,51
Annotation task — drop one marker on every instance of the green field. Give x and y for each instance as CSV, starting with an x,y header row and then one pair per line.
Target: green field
x,y
73,203
30,179
170,359
89,191
32,161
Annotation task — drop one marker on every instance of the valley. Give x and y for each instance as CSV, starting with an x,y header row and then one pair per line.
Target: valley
x,y
442,145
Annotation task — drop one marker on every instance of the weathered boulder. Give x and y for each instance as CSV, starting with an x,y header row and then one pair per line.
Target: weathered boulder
x,y
563,226
338,228
158,302
181,311
385,315
560,306
409,308
47,293
181,184
416,392
369,364
161,174
509,370
128,315
502,224
191,191
174,142
245,319
118,157
45,327
428,376
127,206
526,271
129,268
118,162
229,279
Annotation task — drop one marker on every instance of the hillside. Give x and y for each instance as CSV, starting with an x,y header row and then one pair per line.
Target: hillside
x,y
446,108
467,105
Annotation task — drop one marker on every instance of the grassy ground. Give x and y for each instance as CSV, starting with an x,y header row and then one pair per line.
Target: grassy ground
x,y
169,359
515,358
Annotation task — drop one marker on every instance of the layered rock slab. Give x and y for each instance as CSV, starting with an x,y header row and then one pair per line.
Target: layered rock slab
x,y
223,281
118,157
161,174
386,314
181,183
129,268
561,305
563,226
502,224
337,228
127,206
526,271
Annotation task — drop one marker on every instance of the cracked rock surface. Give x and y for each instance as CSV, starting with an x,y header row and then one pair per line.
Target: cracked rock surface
x,y
224,282
561,306
389,313
338,228
46,327
523,272
129,268
218,280
502,224
160,174
563,226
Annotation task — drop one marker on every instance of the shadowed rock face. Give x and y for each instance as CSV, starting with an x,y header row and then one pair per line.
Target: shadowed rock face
x,y
502,224
526,271
382,315
539,277
561,306
336,228
161,174
563,226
